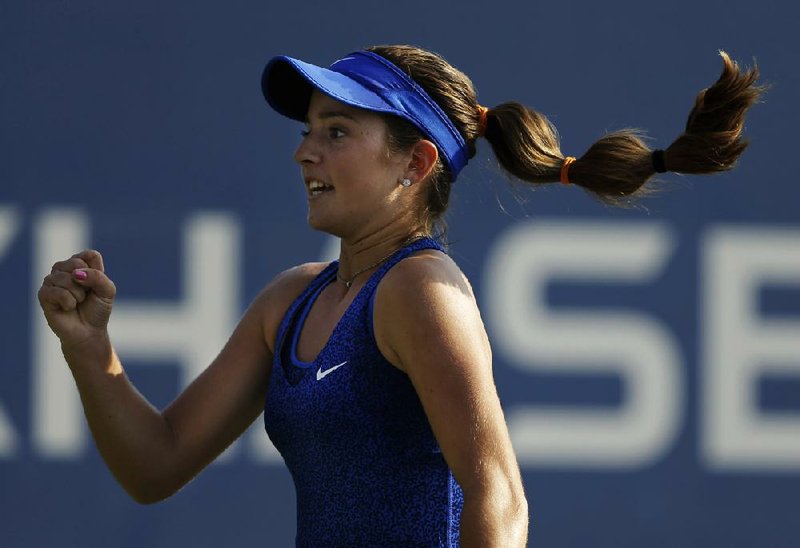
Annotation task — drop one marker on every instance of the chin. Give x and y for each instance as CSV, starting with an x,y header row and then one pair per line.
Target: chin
x,y
323,225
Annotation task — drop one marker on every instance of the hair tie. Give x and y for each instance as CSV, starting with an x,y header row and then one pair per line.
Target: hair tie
x,y
482,116
659,164
565,169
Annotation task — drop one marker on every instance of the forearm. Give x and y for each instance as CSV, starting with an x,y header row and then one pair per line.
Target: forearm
x,y
494,519
131,435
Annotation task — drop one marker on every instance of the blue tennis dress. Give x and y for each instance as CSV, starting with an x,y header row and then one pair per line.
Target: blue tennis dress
x,y
365,464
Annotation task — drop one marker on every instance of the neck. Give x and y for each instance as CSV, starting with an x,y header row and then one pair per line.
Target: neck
x,y
357,257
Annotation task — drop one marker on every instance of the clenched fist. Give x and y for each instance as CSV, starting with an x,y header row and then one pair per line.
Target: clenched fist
x,y
76,298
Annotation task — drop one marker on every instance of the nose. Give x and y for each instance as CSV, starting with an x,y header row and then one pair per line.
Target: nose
x,y
307,152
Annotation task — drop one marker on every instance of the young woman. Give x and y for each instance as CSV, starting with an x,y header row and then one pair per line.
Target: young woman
x,y
373,371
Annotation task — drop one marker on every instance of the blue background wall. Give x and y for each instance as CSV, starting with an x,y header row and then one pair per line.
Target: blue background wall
x,y
138,128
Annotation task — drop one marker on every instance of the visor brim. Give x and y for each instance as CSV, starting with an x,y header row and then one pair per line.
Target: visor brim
x,y
287,84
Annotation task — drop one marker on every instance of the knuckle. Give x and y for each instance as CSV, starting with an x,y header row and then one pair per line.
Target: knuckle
x,y
57,278
68,265
77,259
66,300
89,255
49,295
78,292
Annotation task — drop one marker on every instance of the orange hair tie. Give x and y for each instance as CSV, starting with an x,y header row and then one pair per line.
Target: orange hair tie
x,y
565,169
482,113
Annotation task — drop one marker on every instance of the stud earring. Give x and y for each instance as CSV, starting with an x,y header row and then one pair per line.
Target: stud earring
x,y
406,182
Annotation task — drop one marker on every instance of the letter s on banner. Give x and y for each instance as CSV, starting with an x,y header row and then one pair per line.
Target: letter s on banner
x,y
630,344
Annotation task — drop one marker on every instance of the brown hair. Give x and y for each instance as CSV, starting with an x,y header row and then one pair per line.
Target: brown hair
x,y
616,168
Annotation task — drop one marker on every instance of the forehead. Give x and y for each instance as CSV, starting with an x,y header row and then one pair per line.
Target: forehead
x,y
325,106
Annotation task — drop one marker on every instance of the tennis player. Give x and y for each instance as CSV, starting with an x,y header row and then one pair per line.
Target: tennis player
x,y
374,372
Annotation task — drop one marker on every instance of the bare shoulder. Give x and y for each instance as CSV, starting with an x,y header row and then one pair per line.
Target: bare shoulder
x,y
294,279
425,300
426,271
274,299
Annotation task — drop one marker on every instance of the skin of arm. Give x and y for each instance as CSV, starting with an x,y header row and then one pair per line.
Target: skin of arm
x,y
427,324
154,453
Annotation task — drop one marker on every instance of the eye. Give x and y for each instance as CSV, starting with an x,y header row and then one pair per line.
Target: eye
x,y
305,131
336,133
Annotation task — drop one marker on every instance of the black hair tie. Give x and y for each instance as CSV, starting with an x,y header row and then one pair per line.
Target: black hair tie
x,y
658,161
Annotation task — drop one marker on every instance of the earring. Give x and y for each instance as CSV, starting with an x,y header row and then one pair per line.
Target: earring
x,y
406,182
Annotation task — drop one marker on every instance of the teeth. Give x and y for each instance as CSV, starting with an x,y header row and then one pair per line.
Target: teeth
x,y
317,187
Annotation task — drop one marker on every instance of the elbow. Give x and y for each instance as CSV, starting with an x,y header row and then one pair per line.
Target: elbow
x,y
514,510
147,495
146,498
505,495
519,513
499,515
508,505
151,481
515,521
148,490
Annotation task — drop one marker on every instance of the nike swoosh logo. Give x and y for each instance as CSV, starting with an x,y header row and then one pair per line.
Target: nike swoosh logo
x,y
321,373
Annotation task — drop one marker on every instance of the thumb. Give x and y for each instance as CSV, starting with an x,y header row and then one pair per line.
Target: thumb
x,y
95,280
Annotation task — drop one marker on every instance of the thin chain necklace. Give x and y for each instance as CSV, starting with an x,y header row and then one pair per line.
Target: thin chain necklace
x,y
349,283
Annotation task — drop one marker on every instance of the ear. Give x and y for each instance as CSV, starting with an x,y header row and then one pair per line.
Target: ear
x,y
424,156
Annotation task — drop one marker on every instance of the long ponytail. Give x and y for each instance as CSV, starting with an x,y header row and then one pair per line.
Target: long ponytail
x,y
618,166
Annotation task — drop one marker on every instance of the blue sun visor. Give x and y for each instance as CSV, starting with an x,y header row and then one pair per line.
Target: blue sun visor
x,y
363,80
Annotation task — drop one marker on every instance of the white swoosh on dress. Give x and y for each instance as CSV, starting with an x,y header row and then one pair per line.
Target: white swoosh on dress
x,y
321,373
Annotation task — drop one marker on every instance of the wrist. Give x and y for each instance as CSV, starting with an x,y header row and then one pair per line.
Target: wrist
x,y
94,351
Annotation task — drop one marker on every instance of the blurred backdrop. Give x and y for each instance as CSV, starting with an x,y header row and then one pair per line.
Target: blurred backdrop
x,y
648,360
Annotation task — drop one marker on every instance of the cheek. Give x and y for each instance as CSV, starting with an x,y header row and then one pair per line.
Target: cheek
x,y
369,170
376,145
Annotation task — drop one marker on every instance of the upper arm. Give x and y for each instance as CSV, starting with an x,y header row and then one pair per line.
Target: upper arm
x,y
228,396
427,323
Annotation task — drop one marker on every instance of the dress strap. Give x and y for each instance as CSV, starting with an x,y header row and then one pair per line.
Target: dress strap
x,y
370,289
417,245
322,279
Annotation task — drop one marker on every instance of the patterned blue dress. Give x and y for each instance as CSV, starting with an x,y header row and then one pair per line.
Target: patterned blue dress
x,y
366,466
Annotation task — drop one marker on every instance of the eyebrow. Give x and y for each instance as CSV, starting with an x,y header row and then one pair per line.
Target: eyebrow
x,y
333,114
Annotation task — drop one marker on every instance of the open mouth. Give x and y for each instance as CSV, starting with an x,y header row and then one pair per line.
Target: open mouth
x,y
315,188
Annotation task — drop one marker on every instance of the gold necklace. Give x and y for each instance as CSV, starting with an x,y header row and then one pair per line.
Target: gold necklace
x,y
349,283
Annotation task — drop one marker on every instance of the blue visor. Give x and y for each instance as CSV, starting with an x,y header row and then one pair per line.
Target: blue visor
x,y
364,80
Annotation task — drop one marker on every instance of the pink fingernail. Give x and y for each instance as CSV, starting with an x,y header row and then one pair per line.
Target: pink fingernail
x,y
80,274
